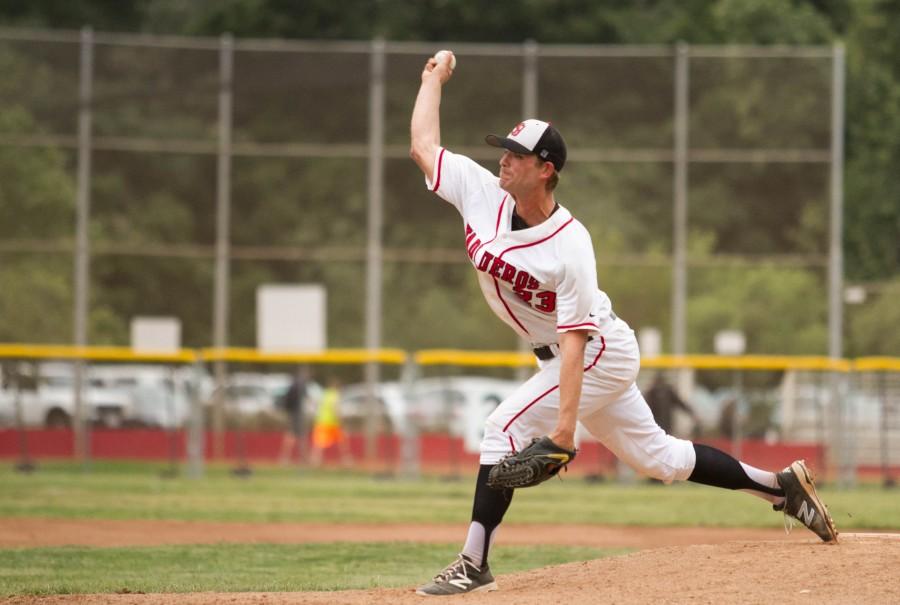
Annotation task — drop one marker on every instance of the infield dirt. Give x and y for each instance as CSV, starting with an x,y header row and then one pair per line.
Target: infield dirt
x,y
675,565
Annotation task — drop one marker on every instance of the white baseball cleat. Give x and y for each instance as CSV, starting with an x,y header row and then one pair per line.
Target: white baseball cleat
x,y
459,577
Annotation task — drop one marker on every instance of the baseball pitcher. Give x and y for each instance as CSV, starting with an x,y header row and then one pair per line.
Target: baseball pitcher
x,y
535,265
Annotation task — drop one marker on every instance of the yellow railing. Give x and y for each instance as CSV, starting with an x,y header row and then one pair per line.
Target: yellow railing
x,y
475,358
748,362
702,362
125,354
336,356
25,351
868,364
450,357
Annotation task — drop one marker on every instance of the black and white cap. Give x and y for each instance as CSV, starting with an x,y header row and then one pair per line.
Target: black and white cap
x,y
534,137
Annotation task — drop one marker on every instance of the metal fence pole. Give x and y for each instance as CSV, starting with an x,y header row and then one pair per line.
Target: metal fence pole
x,y
410,450
884,409
530,79
82,241
680,187
836,264
195,441
740,415
836,251
223,227
529,110
13,377
843,431
373,249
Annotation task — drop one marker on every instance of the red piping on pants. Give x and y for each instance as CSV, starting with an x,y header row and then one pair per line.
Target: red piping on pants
x,y
553,388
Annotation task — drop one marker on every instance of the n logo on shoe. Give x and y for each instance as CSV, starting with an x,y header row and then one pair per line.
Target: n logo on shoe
x,y
461,582
806,513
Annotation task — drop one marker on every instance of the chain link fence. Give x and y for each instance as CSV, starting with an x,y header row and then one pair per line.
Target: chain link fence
x,y
429,409
174,176
192,170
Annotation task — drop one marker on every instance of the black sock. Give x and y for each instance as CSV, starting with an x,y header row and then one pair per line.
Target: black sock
x,y
489,507
715,467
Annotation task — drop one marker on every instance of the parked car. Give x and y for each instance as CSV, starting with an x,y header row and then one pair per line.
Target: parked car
x,y
456,405
8,405
250,393
161,395
47,398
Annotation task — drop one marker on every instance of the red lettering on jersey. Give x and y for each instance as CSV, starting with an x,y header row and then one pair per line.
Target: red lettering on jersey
x,y
472,241
485,261
548,301
496,266
519,128
472,247
523,283
522,278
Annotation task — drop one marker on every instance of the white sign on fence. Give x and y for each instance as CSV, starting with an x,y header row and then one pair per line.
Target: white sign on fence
x,y
730,342
156,334
290,317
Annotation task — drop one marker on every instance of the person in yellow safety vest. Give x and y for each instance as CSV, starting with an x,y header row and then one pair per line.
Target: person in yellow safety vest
x,y
327,427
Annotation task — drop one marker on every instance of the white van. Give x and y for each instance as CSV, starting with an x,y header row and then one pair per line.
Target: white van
x,y
161,396
47,398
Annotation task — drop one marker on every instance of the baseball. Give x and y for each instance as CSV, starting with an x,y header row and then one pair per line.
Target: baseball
x,y
441,57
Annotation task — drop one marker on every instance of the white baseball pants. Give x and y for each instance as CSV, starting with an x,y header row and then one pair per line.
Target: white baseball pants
x,y
612,409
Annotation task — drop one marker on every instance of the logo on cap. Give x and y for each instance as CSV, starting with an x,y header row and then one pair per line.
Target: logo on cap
x,y
534,136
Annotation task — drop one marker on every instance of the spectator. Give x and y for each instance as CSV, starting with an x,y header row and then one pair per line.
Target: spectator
x,y
327,430
296,433
663,400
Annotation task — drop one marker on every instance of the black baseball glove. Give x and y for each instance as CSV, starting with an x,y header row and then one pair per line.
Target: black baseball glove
x,y
535,464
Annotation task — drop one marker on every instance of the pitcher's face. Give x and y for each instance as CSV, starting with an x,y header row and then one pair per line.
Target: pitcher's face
x,y
520,172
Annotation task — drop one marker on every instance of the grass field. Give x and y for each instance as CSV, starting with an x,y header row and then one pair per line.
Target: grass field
x,y
251,567
137,491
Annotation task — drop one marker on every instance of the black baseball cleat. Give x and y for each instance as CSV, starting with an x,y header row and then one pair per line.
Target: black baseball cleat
x,y
459,577
802,503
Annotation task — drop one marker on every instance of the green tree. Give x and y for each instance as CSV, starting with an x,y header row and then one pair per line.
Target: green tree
x,y
870,326
160,202
111,15
873,143
35,299
781,311
36,206
771,22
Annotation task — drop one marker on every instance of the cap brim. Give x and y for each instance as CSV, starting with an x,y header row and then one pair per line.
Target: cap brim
x,y
505,143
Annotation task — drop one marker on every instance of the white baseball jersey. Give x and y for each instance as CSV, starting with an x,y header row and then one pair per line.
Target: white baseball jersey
x,y
542,280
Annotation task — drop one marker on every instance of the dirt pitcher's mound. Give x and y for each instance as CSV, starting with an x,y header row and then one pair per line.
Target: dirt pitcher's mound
x,y
861,569
31,533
